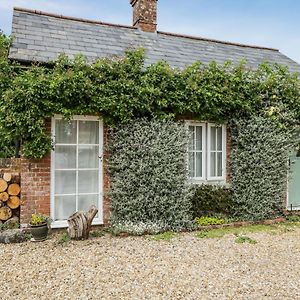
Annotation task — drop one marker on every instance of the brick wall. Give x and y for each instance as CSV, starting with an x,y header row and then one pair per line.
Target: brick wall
x,y
145,14
35,181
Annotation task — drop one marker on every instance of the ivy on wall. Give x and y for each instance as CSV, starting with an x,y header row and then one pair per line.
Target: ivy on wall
x,y
148,175
123,89
259,165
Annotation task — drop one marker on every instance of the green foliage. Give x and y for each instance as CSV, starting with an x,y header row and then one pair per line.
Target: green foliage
x,y
63,239
245,239
293,218
121,90
243,230
8,71
165,236
39,219
148,174
6,226
205,221
259,167
209,199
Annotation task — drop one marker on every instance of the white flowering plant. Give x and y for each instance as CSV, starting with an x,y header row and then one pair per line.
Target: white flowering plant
x,y
148,174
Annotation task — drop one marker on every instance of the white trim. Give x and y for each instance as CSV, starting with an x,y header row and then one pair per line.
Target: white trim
x,y
203,150
223,151
64,224
99,219
206,139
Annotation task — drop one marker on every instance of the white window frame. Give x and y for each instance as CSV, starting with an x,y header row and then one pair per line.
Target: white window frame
x,y
206,139
203,126
99,219
222,177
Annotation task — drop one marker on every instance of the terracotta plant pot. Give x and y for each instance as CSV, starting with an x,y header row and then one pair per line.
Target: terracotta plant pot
x,y
39,232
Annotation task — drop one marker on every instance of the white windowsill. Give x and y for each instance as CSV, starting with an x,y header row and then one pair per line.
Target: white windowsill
x,y
64,224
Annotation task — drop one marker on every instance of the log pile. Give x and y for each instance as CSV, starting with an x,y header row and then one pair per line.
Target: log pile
x,y
9,198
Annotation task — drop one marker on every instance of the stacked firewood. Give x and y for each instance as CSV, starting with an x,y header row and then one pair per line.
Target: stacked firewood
x,y
9,197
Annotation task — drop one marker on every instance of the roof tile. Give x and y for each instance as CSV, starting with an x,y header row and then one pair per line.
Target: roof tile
x,y
42,37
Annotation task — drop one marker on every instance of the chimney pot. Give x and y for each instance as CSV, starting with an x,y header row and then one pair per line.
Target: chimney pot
x,y
144,14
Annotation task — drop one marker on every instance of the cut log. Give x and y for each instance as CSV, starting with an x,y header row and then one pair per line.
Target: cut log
x,y
5,213
80,224
7,177
3,185
13,189
4,196
13,202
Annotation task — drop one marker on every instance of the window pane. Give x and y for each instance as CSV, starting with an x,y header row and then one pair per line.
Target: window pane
x,y
191,165
65,182
198,137
88,156
213,164
199,164
65,132
88,181
65,157
219,164
65,206
88,132
86,201
192,138
212,138
219,138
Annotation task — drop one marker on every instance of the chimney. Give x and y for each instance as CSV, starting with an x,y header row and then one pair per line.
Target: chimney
x,y
144,14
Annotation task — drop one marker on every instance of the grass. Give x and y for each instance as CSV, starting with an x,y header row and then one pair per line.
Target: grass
x,y
245,239
271,229
165,236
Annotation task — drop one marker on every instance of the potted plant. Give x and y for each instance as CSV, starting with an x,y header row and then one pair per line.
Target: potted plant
x,y
39,224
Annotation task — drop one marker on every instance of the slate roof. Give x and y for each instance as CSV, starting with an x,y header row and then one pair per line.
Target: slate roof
x,y
42,37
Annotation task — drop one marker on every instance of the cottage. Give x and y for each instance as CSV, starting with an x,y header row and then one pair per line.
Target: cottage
x,y
72,177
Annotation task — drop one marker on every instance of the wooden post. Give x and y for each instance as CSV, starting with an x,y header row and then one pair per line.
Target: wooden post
x,y
80,224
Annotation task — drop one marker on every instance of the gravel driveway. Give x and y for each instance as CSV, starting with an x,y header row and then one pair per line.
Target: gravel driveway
x,y
186,267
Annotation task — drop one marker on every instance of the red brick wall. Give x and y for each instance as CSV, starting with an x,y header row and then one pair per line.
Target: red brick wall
x,y
145,14
35,182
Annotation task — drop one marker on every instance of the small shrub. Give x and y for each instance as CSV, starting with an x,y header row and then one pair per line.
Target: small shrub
x,y
205,221
293,218
28,236
245,239
63,239
210,199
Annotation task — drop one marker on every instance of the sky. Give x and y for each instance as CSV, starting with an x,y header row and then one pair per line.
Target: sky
x,y
271,23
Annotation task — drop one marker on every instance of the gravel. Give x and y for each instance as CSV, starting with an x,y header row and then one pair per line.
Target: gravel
x,y
186,267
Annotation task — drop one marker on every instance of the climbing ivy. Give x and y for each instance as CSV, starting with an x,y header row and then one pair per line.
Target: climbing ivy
x,y
148,175
121,89
260,151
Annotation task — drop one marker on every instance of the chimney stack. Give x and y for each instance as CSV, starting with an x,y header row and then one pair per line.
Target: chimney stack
x,y
144,14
